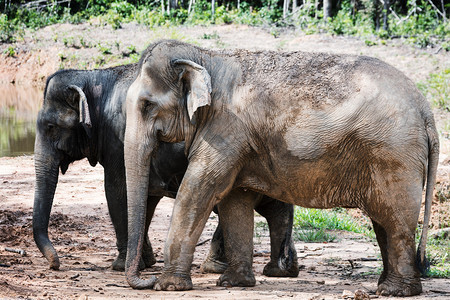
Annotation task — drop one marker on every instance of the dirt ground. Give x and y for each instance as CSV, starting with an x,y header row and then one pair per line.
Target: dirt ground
x,y
80,227
82,233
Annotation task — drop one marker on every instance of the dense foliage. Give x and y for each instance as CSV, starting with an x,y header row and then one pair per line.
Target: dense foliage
x,y
423,22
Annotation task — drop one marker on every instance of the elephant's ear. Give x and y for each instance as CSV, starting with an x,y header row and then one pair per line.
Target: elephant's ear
x,y
85,117
199,93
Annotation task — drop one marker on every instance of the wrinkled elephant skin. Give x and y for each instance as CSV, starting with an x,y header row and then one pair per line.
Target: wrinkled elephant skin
x,y
311,129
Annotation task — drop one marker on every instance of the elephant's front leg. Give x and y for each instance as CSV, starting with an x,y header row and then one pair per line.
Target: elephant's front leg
x,y
236,216
116,197
200,190
283,256
148,257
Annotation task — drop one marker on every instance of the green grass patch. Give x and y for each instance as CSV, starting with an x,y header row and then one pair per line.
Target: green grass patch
x,y
439,272
438,254
313,236
320,220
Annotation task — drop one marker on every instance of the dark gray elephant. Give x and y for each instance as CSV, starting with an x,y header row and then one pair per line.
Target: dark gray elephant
x,y
83,115
316,130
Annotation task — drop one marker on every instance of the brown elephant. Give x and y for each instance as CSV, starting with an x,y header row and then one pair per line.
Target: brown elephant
x,y
312,129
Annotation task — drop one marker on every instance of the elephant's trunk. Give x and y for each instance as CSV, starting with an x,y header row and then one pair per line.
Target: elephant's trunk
x,y
46,166
137,163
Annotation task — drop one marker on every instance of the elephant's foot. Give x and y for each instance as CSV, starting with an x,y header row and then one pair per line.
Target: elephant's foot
x,y
399,287
146,262
382,278
148,259
272,269
233,278
119,263
211,265
171,282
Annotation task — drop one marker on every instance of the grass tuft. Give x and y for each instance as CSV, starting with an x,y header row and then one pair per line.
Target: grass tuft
x,y
325,219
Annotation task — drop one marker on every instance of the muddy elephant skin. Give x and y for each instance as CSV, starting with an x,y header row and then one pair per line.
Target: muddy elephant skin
x,y
83,115
312,129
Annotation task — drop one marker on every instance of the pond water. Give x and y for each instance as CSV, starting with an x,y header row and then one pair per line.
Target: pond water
x,y
19,106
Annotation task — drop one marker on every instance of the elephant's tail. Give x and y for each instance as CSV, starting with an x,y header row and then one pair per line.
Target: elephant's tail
x,y
433,160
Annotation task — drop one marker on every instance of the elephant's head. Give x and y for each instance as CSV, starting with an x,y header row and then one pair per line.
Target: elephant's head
x,y
62,136
163,104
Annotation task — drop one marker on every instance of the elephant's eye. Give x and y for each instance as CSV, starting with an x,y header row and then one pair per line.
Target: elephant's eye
x,y
146,105
50,126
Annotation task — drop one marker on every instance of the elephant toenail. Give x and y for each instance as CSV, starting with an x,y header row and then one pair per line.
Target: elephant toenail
x,y
226,284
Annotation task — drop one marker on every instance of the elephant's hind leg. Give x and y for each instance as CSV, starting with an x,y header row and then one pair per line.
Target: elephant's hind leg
x,y
382,243
395,228
400,277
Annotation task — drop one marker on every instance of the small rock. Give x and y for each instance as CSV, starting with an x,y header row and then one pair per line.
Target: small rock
x,y
361,295
346,294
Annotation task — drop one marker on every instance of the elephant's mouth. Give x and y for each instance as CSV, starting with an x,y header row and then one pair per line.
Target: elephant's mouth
x,y
75,148
65,162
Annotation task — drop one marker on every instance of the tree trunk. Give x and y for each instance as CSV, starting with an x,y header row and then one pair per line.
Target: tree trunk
x,y
353,4
173,4
213,8
327,9
191,2
387,5
316,7
376,14
443,11
285,8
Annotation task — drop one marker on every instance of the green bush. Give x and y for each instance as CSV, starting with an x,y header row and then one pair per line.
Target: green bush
x,y
7,29
437,89
148,17
420,24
